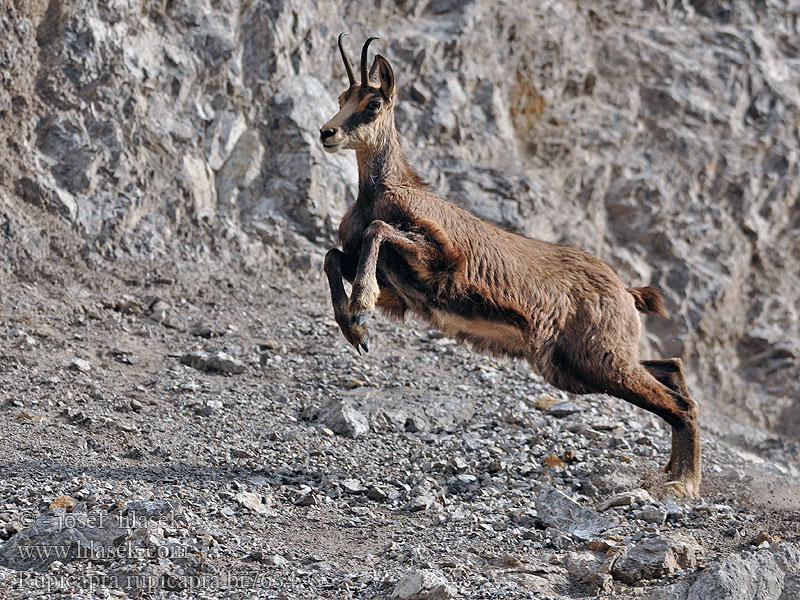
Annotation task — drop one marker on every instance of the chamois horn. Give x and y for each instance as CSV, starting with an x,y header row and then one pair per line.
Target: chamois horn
x,y
364,75
348,65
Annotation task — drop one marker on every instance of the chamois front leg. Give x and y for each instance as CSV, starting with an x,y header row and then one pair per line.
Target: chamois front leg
x,y
339,265
413,248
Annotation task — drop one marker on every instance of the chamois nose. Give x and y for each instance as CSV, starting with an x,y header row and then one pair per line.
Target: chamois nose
x,y
324,134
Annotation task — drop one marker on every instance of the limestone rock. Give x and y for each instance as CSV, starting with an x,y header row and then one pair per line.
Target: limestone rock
x,y
656,557
424,584
740,577
556,509
217,361
344,419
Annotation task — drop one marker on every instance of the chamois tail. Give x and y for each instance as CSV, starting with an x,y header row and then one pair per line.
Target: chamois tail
x,y
648,300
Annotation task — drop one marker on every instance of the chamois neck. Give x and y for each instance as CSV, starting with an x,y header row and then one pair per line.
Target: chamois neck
x,y
382,163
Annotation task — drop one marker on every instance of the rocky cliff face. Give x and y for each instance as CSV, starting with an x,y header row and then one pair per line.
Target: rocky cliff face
x,y
662,137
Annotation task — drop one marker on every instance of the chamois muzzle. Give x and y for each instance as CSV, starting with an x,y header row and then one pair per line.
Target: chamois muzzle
x,y
325,135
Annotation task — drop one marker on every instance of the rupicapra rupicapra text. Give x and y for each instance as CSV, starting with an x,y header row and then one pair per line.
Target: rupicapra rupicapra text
x,y
405,250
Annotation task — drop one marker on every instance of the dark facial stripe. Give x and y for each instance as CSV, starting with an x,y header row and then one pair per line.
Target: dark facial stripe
x,y
359,118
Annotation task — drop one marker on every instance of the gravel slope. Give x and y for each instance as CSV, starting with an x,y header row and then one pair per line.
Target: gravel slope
x,y
448,467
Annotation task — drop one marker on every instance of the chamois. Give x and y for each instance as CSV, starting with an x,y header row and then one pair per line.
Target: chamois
x,y
567,313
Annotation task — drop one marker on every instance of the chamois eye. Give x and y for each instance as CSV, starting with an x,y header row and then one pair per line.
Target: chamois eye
x,y
374,105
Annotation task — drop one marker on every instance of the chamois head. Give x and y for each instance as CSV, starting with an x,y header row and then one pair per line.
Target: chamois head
x,y
366,110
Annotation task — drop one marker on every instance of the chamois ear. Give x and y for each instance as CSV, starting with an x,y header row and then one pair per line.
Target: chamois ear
x,y
373,73
385,76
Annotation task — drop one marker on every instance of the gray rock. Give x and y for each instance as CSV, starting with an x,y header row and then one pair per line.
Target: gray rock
x,y
353,486
749,576
151,508
199,180
63,536
588,568
421,503
255,502
309,499
657,557
416,424
344,419
222,136
424,584
218,361
555,509
625,499
80,364
652,514
241,168
208,407
378,494
563,409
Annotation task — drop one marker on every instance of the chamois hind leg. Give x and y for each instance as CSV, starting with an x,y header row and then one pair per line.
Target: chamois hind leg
x,y
413,248
669,372
641,388
339,265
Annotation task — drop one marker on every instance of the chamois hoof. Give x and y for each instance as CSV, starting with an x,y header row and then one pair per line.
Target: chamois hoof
x,y
359,319
683,489
359,338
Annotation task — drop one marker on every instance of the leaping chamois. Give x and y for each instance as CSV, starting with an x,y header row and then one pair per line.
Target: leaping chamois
x,y
564,311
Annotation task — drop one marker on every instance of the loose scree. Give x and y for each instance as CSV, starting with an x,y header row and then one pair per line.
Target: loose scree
x,y
567,313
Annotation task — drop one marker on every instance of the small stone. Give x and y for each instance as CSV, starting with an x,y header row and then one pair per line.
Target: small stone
x,y
63,501
764,540
202,329
79,364
377,494
208,407
416,424
421,503
545,402
124,356
555,461
139,509
626,499
654,558
255,502
555,509
674,511
586,567
563,409
309,499
220,361
274,560
652,514
603,545
352,486
424,584
344,419
352,383
457,465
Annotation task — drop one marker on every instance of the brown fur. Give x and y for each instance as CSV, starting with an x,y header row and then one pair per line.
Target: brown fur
x,y
565,311
649,301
